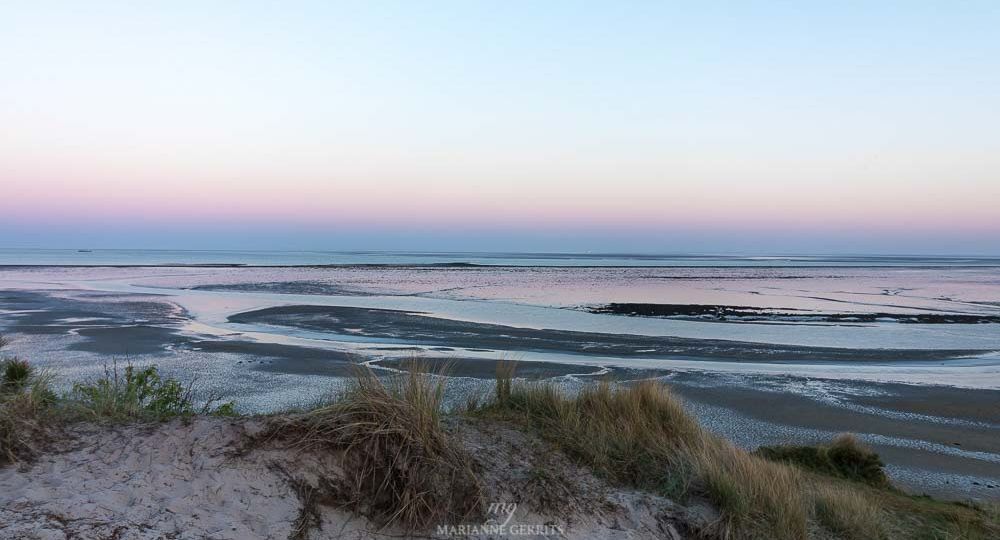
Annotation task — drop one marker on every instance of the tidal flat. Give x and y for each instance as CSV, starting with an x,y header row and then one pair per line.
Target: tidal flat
x,y
924,392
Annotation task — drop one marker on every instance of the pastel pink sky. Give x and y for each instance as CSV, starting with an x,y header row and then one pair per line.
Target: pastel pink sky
x,y
461,126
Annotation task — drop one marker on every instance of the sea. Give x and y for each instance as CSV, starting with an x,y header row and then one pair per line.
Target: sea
x,y
904,351
142,257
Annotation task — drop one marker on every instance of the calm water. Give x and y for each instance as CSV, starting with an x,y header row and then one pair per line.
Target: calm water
x,y
544,292
71,313
308,258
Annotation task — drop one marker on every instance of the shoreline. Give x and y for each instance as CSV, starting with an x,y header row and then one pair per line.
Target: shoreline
x,y
460,265
79,329
81,469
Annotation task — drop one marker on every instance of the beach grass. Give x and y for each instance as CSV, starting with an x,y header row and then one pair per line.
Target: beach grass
x,y
25,403
401,467
756,498
851,514
640,435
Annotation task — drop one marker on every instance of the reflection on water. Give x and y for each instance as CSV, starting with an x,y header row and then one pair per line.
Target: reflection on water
x,y
551,297
298,258
544,297
757,382
834,290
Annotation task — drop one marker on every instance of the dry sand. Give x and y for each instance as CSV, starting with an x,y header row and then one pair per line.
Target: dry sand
x,y
196,480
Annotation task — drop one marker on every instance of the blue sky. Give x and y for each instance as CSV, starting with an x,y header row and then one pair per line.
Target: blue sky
x,y
660,126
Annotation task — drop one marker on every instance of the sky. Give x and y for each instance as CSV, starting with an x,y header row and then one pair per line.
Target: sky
x,y
661,127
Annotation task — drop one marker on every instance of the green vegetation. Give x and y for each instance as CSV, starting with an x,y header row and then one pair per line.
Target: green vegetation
x,y
845,458
14,374
25,400
855,499
399,466
31,413
135,394
639,435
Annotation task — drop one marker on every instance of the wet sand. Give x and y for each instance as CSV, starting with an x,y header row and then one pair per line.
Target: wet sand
x,y
953,452
723,313
478,368
285,287
945,401
940,440
418,328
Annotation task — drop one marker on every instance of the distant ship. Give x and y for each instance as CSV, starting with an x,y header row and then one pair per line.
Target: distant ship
x,y
84,251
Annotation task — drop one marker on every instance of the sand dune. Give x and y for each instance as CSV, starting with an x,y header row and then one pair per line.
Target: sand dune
x,y
193,480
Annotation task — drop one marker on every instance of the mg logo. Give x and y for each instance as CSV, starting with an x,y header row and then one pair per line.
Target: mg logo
x,y
500,513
